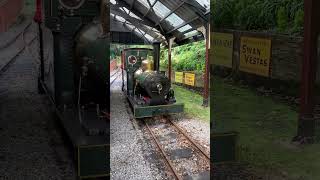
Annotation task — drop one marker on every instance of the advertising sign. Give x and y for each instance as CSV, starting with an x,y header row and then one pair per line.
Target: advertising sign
x,y
189,79
178,78
222,49
255,55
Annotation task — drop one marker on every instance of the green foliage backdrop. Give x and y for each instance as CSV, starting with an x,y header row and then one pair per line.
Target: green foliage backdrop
x,y
189,57
281,16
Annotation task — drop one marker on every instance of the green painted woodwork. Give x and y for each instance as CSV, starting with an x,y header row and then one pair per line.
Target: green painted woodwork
x,y
93,161
150,111
224,147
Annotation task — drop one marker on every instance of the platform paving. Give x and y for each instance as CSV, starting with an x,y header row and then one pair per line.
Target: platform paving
x,y
32,144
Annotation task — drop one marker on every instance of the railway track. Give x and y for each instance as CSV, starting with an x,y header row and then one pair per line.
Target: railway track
x,y
4,68
184,157
115,76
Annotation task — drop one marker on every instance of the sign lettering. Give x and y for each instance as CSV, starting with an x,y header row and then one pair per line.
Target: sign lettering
x,y
178,77
222,49
255,55
189,79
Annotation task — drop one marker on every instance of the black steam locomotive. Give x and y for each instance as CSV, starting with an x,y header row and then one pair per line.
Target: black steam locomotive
x,y
77,78
148,90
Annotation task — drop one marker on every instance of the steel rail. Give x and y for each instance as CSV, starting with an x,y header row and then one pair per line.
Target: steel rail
x,y
117,76
14,58
189,139
162,152
9,63
115,73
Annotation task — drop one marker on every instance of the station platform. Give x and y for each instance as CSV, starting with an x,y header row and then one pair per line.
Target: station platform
x,y
32,145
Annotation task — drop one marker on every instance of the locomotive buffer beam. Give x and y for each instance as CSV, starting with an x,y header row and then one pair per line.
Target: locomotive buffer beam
x,y
91,150
141,111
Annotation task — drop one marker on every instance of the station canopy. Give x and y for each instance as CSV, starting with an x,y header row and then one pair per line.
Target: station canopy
x,y
159,20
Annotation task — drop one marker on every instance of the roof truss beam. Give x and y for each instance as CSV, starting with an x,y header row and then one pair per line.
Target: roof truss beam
x,y
183,24
122,3
118,12
150,7
202,15
136,24
171,12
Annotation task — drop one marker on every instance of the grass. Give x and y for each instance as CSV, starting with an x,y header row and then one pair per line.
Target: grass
x,y
266,128
192,103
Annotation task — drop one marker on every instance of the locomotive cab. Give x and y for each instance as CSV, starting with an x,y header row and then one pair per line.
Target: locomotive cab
x,y
148,90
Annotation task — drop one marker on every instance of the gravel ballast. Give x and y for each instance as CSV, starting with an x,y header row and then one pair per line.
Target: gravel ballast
x,y
196,129
126,155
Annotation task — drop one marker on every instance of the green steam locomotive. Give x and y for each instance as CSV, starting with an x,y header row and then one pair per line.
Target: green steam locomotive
x,y
77,78
148,90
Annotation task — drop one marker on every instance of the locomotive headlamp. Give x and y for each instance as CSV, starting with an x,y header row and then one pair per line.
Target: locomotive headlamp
x,y
159,87
132,60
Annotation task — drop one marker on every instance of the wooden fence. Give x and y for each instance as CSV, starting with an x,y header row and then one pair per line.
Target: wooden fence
x,y
286,54
188,78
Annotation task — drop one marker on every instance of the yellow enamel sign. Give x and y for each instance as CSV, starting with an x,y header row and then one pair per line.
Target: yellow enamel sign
x,y
222,49
178,78
255,55
189,79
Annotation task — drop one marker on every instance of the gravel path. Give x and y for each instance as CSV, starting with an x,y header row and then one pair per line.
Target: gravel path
x,y
32,146
127,158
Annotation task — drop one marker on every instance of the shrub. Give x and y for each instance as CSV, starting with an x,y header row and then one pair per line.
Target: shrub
x,y
189,57
298,21
282,19
263,15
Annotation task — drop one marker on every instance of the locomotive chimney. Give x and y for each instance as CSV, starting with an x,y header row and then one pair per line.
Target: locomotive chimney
x,y
156,55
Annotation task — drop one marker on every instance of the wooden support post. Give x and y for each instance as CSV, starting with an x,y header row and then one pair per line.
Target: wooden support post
x,y
206,32
170,42
306,121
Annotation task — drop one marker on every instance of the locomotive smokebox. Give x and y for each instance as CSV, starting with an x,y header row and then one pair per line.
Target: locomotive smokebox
x,y
155,85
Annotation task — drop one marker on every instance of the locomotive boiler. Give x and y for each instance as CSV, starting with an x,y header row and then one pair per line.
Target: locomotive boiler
x,y
152,87
77,78
148,90
91,65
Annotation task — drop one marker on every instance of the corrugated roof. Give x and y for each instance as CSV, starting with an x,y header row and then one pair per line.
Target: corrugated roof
x,y
162,19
